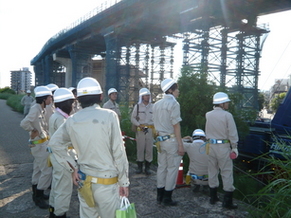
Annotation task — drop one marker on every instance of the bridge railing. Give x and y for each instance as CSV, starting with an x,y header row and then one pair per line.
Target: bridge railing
x,y
102,7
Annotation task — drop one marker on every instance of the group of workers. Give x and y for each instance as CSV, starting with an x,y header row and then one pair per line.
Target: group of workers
x,y
75,141
209,153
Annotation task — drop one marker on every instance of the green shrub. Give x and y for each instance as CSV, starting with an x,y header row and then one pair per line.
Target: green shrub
x,y
7,90
14,102
5,95
125,125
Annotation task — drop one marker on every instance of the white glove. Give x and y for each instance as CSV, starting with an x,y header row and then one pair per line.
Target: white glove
x,y
235,151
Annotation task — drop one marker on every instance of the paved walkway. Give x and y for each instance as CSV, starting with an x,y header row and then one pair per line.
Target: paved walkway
x,y
15,186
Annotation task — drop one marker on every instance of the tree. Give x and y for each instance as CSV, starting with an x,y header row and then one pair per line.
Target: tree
x,y
275,102
195,99
261,100
7,90
196,93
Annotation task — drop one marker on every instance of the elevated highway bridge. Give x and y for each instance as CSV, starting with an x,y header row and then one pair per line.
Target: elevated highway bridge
x,y
136,41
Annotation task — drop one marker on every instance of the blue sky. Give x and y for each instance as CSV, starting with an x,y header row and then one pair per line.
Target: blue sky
x,y
27,27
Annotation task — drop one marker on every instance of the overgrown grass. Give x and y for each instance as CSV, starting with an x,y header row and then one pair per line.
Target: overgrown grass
x,y
5,95
266,185
14,102
274,199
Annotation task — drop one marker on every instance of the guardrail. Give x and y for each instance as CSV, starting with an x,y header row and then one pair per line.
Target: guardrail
x,y
102,7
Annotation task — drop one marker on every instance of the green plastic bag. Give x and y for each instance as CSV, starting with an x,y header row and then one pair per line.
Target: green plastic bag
x,y
127,209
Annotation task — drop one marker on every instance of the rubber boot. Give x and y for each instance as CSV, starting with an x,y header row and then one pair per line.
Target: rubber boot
x,y
51,210
34,187
227,201
160,195
139,167
46,197
39,200
34,192
213,195
167,199
196,188
147,168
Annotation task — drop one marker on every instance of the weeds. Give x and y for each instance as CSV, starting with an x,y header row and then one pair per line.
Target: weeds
x,y
14,101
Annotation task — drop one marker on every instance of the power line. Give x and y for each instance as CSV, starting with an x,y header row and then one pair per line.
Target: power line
x,y
276,64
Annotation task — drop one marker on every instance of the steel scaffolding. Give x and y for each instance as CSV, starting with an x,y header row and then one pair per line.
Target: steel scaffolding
x,y
144,65
231,59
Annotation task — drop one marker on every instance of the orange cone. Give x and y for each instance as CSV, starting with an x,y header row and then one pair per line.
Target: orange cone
x,y
180,179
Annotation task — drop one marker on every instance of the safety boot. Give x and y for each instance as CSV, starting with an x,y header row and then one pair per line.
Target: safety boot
x,y
147,168
160,195
39,200
227,201
51,210
34,192
139,167
196,188
46,197
167,199
213,195
34,187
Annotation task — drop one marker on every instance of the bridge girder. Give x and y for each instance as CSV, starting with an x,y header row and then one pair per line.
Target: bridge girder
x,y
136,27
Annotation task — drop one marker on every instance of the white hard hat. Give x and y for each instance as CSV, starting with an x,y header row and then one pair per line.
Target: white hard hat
x,y
142,92
28,91
63,94
40,91
88,86
220,97
111,90
72,88
52,86
198,132
166,84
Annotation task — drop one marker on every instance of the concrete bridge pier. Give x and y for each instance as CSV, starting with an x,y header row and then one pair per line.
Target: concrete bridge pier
x,y
81,65
38,69
112,62
67,62
48,68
